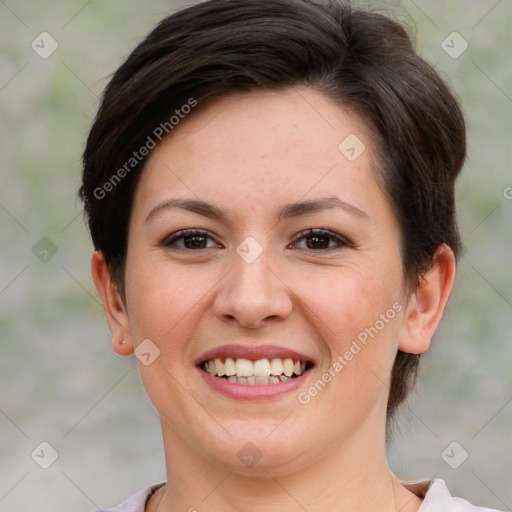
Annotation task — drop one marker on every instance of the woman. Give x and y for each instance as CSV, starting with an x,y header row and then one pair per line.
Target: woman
x,y
270,192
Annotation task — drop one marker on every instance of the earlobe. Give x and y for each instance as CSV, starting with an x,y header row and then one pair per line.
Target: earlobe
x,y
426,305
123,347
115,310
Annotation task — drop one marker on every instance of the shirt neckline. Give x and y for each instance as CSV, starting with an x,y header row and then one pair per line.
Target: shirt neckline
x,y
417,487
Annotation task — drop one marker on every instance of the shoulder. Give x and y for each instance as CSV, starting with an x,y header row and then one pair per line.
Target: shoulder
x,y
438,498
136,502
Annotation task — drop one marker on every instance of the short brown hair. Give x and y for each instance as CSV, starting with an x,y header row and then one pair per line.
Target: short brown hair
x,y
363,59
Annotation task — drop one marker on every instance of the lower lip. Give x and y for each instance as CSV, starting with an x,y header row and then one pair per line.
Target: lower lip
x,y
249,391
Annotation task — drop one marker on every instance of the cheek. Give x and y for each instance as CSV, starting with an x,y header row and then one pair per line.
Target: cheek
x,y
356,314
164,302
165,306
345,300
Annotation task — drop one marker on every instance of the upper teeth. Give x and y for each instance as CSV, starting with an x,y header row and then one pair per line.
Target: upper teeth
x,y
260,368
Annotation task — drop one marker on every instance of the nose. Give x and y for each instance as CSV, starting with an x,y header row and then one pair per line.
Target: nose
x,y
253,293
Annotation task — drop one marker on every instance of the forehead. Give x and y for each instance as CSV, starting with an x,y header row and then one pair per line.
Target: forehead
x,y
293,122
263,147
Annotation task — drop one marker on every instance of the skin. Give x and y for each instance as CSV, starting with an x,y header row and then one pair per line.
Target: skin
x,y
249,154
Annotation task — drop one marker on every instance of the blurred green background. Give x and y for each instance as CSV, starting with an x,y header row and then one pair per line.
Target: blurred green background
x,y
59,380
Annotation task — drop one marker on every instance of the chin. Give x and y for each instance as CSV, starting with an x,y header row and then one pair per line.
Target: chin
x,y
257,447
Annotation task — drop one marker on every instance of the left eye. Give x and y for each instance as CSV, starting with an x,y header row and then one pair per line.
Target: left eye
x,y
319,239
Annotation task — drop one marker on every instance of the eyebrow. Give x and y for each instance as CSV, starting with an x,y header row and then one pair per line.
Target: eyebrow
x,y
288,211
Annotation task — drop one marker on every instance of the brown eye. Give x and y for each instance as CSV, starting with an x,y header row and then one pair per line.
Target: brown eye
x,y
192,239
320,240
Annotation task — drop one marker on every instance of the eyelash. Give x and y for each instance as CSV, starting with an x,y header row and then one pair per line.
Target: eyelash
x,y
343,242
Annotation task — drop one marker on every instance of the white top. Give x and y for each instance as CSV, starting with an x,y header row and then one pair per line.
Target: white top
x,y
435,494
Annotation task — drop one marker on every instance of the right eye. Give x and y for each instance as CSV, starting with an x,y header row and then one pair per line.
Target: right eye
x,y
192,239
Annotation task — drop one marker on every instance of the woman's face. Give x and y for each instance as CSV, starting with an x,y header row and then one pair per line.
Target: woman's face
x,y
255,284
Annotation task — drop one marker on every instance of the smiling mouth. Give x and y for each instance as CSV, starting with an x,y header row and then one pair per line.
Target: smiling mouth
x,y
258,372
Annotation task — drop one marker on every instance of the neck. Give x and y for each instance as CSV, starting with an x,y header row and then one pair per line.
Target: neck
x,y
352,477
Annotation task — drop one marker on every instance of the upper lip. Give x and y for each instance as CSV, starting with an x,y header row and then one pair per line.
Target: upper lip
x,y
253,352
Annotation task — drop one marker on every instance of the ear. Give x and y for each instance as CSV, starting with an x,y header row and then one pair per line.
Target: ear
x,y
426,305
115,310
